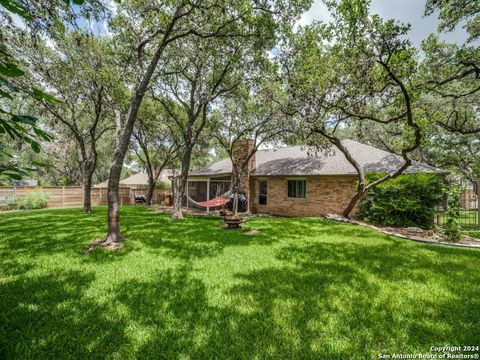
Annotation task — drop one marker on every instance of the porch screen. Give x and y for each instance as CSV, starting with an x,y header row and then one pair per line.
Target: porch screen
x,y
197,190
203,190
219,188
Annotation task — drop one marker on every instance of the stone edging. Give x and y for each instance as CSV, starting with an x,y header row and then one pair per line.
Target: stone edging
x,y
415,239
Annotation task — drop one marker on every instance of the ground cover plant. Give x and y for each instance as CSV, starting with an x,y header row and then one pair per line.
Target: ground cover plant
x,y
300,288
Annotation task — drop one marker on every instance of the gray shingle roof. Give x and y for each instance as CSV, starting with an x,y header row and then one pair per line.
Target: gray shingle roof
x,y
299,161
140,179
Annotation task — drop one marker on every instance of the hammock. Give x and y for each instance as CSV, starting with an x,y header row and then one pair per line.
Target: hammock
x,y
215,202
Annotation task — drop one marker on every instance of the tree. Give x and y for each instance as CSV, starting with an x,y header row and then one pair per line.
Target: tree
x,y
256,115
17,127
358,69
204,71
153,144
454,12
150,28
37,16
452,71
75,67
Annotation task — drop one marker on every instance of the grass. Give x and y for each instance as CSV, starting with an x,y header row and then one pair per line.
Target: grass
x,y
301,288
474,234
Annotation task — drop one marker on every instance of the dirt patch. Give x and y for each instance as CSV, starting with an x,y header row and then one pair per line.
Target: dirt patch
x,y
109,245
251,232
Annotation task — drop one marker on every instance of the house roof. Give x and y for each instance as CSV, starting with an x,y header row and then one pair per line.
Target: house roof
x,y
299,161
139,179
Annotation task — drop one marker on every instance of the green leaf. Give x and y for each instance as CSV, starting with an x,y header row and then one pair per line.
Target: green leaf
x,y
78,2
35,146
10,130
16,8
26,119
43,134
13,175
41,164
40,95
10,69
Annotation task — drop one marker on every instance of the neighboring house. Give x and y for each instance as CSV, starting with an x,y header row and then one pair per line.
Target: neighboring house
x,y
292,180
140,180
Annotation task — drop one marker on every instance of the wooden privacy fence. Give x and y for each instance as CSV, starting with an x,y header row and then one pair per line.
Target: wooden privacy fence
x,y
72,196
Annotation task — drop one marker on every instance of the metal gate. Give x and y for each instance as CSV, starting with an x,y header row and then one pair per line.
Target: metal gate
x,y
469,204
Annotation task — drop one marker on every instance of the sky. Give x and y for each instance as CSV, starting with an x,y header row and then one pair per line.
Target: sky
x,y
406,11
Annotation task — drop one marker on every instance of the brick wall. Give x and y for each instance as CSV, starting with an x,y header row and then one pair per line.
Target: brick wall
x,y
325,195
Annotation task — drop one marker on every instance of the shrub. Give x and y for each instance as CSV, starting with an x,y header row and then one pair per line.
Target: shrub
x,y
451,227
35,199
408,200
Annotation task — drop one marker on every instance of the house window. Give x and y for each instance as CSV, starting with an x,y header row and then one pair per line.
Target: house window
x,y
297,189
262,197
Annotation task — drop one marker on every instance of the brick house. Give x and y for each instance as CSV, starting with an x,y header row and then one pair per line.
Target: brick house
x,y
293,181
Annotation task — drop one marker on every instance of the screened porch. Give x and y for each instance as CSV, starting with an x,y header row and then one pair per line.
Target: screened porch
x,y
207,193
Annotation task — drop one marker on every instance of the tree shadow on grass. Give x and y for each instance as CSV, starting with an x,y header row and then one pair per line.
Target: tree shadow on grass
x,y
188,239
49,231
48,316
183,323
301,228
402,296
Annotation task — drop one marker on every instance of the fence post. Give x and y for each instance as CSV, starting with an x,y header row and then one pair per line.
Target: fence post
x,y
63,196
478,203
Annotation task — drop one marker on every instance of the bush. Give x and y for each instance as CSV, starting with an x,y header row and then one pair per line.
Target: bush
x,y
35,199
451,226
408,200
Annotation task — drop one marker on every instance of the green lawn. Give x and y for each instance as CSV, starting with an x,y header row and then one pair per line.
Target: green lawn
x,y
302,288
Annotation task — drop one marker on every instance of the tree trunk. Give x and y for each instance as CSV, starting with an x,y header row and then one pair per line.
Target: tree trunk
x,y
151,188
113,234
88,166
236,189
353,201
180,184
87,191
177,201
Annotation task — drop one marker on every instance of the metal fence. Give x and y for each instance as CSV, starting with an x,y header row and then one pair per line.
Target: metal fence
x,y
469,209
